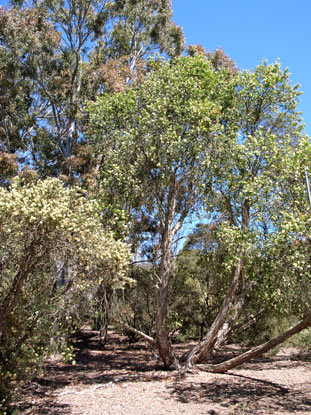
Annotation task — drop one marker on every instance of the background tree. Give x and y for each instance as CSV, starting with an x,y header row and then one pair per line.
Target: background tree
x,y
56,55
27,43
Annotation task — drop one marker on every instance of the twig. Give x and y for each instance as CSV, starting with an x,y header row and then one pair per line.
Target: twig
x,y
102,385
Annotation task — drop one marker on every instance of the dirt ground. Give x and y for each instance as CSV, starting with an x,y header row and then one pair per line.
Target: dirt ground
x,y
123,379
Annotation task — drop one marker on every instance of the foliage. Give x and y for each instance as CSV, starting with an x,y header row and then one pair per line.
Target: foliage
x,y
54,55
28,54
42,225
141,28
156,139
302,341
219,59
198,138
189,297
8,167
168,144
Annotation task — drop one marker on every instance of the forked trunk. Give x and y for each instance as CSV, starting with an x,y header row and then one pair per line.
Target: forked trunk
x,y
231,324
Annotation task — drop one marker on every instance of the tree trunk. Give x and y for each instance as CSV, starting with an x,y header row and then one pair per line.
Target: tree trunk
x,y
230,325
13,296
139,333
163,342
201,350
259,350
164,345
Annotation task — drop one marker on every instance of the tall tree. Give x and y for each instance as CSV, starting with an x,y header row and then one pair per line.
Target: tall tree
x,y
197,139
158,142
57,55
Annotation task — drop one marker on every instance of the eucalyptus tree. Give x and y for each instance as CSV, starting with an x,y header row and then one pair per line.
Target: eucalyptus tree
x,y
140,28
58,54
156,143
25,38
195,139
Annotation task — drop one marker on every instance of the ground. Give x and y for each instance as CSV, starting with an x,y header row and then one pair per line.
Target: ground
x,y
123,379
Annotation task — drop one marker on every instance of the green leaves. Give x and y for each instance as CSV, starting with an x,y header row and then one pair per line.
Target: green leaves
x,y
59,221
154,140
45,227
54,55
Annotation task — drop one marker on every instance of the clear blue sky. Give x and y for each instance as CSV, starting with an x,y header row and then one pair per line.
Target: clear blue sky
x,y
250,30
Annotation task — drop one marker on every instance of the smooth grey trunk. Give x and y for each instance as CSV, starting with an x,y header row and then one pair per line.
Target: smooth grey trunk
x,y
139,333
163,341
230,324
259,350
202,350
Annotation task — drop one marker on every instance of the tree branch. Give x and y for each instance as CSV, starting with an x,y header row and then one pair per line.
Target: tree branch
x,y
259,350
139,333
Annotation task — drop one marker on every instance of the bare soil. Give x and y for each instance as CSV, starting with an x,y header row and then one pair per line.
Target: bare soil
x,y
126,379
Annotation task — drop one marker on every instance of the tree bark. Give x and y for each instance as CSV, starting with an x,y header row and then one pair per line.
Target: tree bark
x,y
230,325
259,350
201,350
163,341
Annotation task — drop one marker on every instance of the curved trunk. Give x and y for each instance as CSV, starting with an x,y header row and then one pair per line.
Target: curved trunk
x,y
259,350
201,350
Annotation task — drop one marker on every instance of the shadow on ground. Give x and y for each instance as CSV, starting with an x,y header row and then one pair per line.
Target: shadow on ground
x,y
246,394
118,361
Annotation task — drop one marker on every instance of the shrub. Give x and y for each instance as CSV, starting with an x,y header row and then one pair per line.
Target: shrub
x,y
47,230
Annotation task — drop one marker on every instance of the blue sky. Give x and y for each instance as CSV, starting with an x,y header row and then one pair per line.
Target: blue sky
x,y
250,30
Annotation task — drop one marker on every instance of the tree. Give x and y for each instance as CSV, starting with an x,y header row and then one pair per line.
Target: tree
x,y
54,55
158,137
260,132
28,45
197,139
43,224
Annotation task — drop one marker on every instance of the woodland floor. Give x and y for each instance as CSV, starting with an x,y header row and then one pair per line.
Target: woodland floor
x,y
125,379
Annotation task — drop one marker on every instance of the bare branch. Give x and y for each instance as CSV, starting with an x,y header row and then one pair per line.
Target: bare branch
x,y
259,350
149,339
